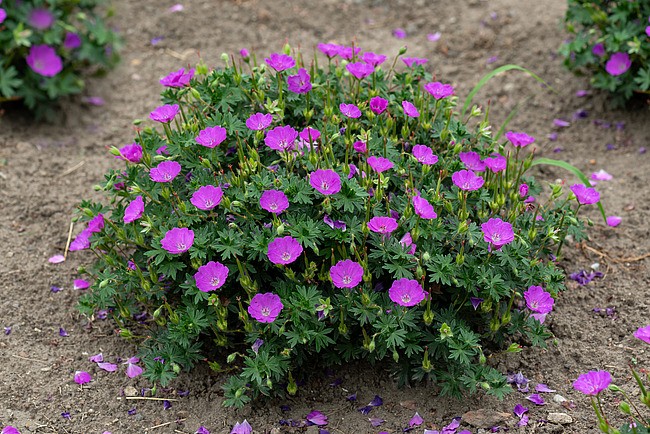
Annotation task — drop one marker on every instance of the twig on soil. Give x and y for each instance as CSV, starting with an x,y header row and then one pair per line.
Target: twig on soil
x,y
67,243
72,169
147,398
29,360
165,424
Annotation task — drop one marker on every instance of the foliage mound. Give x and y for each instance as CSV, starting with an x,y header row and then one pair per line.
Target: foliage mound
x,y
288,212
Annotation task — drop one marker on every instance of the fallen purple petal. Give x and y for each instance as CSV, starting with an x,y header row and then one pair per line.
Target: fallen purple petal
x,y
582,93
433,37
94,100
202,430
376,401
7,330
416,420
82,377
66,415
63,333
316,418
55,289
375,421
543,388
132,411
176,8
56,259
167,405
108,367
519,410
97,358
351,398
535,398
561,123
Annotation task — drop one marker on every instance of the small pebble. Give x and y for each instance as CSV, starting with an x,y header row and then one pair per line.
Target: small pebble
x,y
559,418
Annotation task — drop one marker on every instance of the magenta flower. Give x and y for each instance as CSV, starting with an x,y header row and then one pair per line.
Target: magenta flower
x,y
81,241
406,292
164,113
496,163
348,53
71,41
407,241
519,139
284,250
373,59
467,180
350,110
132,153
178,240
346,274
177,79
310,135
439,90
613,220
382,225
378,104
244,53
330,50
82,377
211,136
96,224
410,110
274,201
360,147
299,83
618,64
265,308
423,208
8,429
242,428
647,30
497,233
424,154
585,195
399,33
280,62
166,171
281,138
643,333
360,70
538,300
207,197
523,190
134,210
40,18
316,418
3,17
417,61
43,60
211,276
326,181
380,164
259,121
593,382
472,160
598,50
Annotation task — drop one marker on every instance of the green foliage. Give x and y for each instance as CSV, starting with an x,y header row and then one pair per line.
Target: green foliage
x,y
93,48
445,338
614,27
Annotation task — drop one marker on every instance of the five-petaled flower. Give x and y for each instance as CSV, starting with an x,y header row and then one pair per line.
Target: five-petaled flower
x,y
274,201
350,110
519,139
325,181
284,250
467,180
382,225
380,164
423,208
406,292
177,240
207,197
299,83
43,60
165,113
259,121
211,276
593,382
585,195
211,136
134,210
166,171
497,233
266,307
346,274
424,154
280,62
281,138
439,90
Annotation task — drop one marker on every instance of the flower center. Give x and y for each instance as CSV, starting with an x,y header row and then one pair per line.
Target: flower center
x,y
208,203
180,246
406,298
324,185
347,279
167,176
265,311
496,237
382,228
215,281
273,206
286,256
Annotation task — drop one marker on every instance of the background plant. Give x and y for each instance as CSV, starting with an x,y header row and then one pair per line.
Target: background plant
x,y
46,47
290,212
610,41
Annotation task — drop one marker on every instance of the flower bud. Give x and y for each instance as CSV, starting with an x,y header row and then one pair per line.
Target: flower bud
x,y
402,51
224,58
505,319
482,359
343,329
231,358
485,385
460,258
292,387
457,148
201,68
269,383
371,345
239,392
126,333
395,355
427,316
445,331
426,257
286,49
624,407
426,363
280,229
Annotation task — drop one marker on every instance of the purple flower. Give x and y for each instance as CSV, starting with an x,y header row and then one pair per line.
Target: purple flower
x,y
618,64
166,405
43,60
647,30
284,250
406,292
417,61
496,163
178,78
330,50
399,33
40,18
350,110
497,233
3,17
265,308
643,333
348,53
274,201
382,225
410,110
55,289
467,180
299,83
244,53
373,59
280,62
316,418
593,382
211,276
380,164
472,160
535,398
132,153
423,208
360,70
134,210
166,171
96,224
80,284
259,121
310,135
9,429
439,90
82,377
164,113
242,428
416,420
538,300
360,147
519,139
326,181
378,104
178,240
613,220
376,421
346,274
211,136
71,41
281,138
424,154
207,197
598,50
81,241
523,190
585,195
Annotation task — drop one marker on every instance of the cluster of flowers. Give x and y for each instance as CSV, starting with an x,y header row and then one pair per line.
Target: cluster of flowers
x,y
611,40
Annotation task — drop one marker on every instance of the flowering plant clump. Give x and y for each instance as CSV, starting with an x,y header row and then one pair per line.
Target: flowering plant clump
x,y
611,42
287,212
45,47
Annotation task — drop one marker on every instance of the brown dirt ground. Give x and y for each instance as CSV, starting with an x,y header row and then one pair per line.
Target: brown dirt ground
x,y
45,170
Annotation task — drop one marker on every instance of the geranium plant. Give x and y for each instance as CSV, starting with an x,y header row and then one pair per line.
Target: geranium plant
x,y
610,41
287,212
46,46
